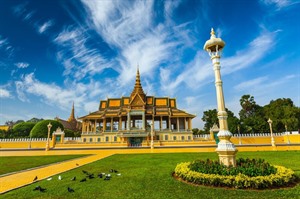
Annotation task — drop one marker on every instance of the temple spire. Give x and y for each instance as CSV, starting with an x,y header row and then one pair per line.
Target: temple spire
x,y
72,115
138,89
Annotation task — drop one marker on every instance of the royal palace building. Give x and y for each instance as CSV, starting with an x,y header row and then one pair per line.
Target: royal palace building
x,y
137,119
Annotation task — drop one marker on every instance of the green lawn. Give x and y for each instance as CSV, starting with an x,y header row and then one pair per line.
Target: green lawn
x,y
146,176
17,163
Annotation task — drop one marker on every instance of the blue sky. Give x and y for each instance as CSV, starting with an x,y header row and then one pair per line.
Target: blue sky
x,y
55,52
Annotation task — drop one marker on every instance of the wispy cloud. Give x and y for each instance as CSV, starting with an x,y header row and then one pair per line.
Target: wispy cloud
x,y
55,95
4,93
280,4
45,26
250,83
79,60
22,64
6,48
129,27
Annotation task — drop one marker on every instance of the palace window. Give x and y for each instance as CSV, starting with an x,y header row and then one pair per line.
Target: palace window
x,y
106,138
115,138
84,139
166,137
99,139
182,137
189,137
174,137
91,139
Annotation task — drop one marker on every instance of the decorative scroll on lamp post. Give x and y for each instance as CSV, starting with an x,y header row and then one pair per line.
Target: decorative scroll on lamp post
x,y
226,148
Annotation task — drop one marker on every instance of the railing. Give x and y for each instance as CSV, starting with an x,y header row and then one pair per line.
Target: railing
x,y
257,135
205,136
25,140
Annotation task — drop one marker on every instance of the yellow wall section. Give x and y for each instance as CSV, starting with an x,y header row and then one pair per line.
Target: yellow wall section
x,y
161,102
126,101
103,105
114,103
150,100
172,102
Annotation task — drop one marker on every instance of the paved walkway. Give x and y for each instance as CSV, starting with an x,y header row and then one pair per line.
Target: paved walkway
x,y
26,177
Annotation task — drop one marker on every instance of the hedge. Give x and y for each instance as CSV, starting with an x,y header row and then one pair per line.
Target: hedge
x,y
40,130
282,177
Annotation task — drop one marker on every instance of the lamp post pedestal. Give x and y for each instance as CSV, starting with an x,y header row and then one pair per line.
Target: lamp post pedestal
x,y
152,133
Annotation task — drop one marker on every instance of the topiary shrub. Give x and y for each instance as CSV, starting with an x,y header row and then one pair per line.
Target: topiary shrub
x,y
256,174
40,130
22,129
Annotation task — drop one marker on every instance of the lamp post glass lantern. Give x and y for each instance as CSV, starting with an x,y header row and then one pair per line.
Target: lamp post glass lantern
x,y
271,131
47,144
226,148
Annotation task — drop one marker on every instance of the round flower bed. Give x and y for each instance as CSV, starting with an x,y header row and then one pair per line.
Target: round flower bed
x,y
255,174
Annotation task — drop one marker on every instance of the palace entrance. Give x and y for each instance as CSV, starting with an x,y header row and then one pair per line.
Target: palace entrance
x,y
135,141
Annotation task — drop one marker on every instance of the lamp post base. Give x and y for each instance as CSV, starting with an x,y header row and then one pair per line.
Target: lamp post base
x,y
227,157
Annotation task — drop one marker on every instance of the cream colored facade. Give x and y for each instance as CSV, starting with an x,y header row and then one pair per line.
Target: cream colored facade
x,y
128,120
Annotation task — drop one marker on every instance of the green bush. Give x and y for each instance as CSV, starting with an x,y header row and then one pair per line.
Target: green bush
x,y
248,167
282,177
22,129
40,130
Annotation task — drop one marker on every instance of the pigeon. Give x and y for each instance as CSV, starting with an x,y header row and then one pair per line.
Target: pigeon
x,y
35,178
118,174
42,189
37,188
49,179
59,177
70,190
83,180
100,175
73,179
107,177
85,172
91,176
115,171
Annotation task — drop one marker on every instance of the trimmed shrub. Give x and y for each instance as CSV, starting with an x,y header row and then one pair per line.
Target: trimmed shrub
x,y
282,177
40,130
22,129
248,167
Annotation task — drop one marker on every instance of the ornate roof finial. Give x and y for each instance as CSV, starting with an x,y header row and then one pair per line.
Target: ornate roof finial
x,y
138,87
72,115
212,33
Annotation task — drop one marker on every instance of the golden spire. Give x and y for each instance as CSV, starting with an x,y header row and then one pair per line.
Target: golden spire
x,y
72,115
138,89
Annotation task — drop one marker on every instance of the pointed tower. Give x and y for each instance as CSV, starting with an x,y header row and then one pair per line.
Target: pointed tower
x,y
72,115
138,93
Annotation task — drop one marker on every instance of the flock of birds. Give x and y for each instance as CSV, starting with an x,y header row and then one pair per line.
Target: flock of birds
x,y
88,175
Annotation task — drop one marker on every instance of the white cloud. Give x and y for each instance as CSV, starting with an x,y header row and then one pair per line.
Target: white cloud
x,y
45,26
4,93
244,86
55,95
22,64
78,59
279,4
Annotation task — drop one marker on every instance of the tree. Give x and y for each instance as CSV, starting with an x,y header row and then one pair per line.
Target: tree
x,y
252,117
40,130
283,112
210,118
195,131
35,120
22,129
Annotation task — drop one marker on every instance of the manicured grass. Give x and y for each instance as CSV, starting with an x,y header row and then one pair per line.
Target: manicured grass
x,y
17,163
146,176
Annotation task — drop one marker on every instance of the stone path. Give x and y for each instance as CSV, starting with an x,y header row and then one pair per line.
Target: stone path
x,y
26,177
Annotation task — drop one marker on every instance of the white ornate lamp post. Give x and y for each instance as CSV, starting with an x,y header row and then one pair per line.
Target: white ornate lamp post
x,y
287,134
152,133
226,148
272,137
47,144
240,141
